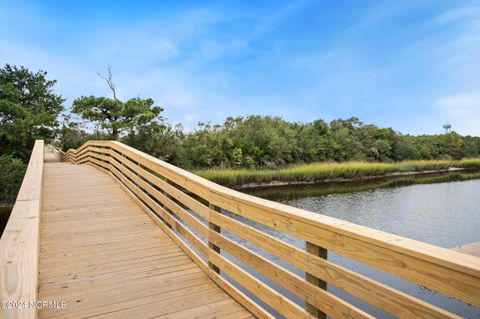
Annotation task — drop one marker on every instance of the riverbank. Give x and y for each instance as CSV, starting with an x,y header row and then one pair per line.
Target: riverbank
x,y
305,174
289,192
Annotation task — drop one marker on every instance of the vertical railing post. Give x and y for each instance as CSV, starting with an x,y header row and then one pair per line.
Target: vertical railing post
x,y
110,158
211,246
320,252
162,205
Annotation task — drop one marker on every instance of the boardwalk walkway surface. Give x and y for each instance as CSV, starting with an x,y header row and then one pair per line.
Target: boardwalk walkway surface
x,y
106,258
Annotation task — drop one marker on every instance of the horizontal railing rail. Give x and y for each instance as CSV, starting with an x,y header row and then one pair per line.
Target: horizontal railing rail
x,y
19,245
204,219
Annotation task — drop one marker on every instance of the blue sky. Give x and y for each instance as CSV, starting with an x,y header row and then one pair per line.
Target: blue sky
x,y
410,65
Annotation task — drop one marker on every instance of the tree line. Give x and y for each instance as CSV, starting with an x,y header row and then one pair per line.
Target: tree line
x,y
256,141
30,109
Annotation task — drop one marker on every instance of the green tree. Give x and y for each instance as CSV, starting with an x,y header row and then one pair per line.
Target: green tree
x,y
73,134
115,116
28,109
345,140
157,139
268,140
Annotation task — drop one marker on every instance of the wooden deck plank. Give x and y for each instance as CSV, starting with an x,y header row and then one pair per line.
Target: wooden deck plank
x,y
88,303
222,307
164,303
106,258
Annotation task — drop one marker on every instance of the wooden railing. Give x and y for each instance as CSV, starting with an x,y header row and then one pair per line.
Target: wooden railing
x,y
201,217
61,154
19,245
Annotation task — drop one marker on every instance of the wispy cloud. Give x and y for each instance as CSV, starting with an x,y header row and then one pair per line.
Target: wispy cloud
x,y
460,13
273,19
393,64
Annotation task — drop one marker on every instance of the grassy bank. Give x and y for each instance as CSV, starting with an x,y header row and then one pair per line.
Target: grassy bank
x,y
319,172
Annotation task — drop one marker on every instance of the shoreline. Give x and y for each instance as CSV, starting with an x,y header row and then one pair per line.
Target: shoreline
x,y
273,184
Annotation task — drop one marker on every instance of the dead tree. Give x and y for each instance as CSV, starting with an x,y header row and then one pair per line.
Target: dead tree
x,y
109,79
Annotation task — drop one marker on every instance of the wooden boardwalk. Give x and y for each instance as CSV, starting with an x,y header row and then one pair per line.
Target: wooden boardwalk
x,y
106,258
116,233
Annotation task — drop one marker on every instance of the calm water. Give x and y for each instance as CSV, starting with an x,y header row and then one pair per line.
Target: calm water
x,y
443,210
446,214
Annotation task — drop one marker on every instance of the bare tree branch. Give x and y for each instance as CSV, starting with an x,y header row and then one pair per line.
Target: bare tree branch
x,y
109,79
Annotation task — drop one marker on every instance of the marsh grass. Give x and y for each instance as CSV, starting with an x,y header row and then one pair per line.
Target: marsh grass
x,y
318,172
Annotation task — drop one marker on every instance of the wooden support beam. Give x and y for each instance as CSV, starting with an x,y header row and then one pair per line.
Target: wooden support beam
x,y
320,252
211,246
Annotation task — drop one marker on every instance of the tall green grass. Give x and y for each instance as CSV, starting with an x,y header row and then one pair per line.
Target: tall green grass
x,y
318,172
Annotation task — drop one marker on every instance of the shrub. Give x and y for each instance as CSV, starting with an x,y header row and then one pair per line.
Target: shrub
x,y
12,171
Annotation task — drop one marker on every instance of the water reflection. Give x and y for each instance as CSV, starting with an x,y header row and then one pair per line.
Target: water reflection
x,y
281,193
